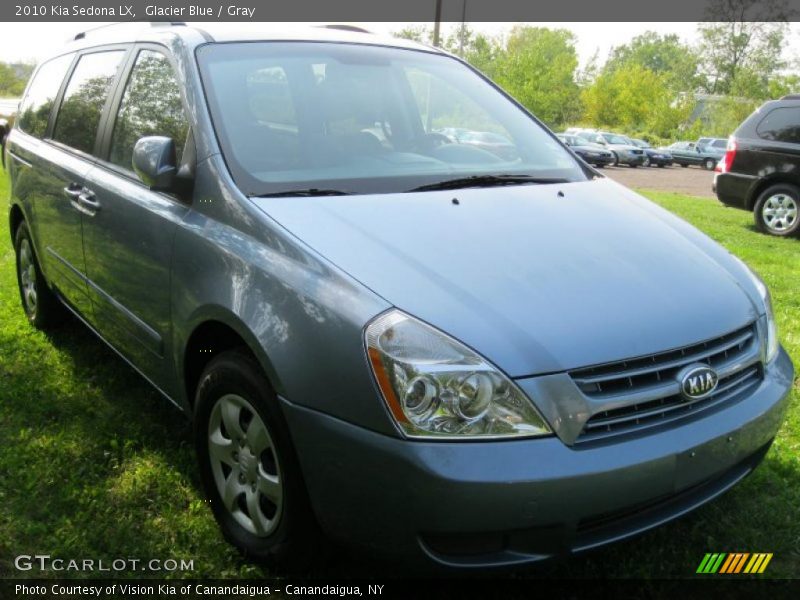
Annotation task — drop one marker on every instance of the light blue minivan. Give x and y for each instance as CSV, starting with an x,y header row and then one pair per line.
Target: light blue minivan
x,y
398,310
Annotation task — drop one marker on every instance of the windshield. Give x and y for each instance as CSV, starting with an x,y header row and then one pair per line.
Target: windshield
x,y
616,139
365,119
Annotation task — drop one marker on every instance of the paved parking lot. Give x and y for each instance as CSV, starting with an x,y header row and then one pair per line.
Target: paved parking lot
x,y
693,181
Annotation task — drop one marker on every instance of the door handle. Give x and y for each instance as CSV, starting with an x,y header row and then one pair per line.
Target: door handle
x,y
82,199
73,190
88,200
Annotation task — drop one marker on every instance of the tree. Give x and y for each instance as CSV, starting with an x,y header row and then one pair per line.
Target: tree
x,y
538,67
661,54
13,79
416,33
479,50
743,49
635,99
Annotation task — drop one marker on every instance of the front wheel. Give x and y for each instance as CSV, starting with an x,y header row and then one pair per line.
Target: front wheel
x,y
42,308
616,160
646,162
709,164
776,210
248,464
684,166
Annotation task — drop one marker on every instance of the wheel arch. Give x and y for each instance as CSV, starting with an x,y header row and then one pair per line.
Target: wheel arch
x,y
767,182
212,331
15,217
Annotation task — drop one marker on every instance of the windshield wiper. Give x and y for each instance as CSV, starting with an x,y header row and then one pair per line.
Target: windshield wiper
x,y
303,192
486,181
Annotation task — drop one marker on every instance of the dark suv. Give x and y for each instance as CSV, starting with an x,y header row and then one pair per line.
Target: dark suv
x,y
761,168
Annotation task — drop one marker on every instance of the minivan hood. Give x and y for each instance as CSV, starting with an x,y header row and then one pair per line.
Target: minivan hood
x,y
536,278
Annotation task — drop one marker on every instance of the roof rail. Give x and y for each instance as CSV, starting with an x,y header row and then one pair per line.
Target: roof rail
x,y
82,34
344,27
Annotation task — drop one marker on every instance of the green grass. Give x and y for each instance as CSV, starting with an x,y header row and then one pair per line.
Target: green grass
x,y
94,463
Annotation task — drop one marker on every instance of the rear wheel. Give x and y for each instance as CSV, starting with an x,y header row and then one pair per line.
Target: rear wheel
x,y
684,165
248,464
43,309
709,164
777,210
646,162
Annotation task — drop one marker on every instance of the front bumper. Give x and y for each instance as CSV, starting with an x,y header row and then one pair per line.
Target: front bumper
x,y
660,160
631,159
479,504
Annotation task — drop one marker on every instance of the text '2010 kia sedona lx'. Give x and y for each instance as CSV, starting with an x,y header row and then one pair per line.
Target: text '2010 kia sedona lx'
x,y
470,354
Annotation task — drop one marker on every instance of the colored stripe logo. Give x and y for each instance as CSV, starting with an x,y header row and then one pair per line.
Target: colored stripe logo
x,y
734,562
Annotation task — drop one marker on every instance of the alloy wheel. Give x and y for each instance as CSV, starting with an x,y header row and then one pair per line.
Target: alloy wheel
x,y
779,212
245,465
27,276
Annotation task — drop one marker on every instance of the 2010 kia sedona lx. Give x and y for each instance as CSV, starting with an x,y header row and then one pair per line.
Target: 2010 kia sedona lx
x,y
472,353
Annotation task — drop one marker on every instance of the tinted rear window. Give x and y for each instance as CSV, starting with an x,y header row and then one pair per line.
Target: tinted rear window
x,y
84,98
781,125
34,111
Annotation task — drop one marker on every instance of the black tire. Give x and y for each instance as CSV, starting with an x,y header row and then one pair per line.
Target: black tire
x,y
683,165
661,165
709,164
599,165
295,540
633,166
43,309
783,226
616,160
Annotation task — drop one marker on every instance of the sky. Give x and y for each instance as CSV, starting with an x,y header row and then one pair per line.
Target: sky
x,y
32,41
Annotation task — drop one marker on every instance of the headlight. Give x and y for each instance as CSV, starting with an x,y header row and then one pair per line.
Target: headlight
x,y
772,343
435,386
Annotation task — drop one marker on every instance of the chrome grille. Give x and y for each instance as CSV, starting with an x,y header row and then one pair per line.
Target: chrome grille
x,y
636,395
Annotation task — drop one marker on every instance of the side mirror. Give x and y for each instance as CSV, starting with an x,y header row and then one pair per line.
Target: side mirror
x,y
155,164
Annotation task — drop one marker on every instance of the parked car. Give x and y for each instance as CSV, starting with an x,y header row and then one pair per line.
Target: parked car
x,y
714,149
594,154
490,141
409,344
653,156
689,153
621,147
761,168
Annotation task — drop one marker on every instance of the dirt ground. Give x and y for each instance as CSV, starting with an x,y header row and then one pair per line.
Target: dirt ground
x,y
692,181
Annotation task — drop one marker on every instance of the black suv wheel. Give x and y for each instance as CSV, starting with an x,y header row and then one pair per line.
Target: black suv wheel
x,y
777,210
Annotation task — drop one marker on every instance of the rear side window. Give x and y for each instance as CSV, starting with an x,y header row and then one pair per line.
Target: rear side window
x,y
151,105
84,98
781,125
34,111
